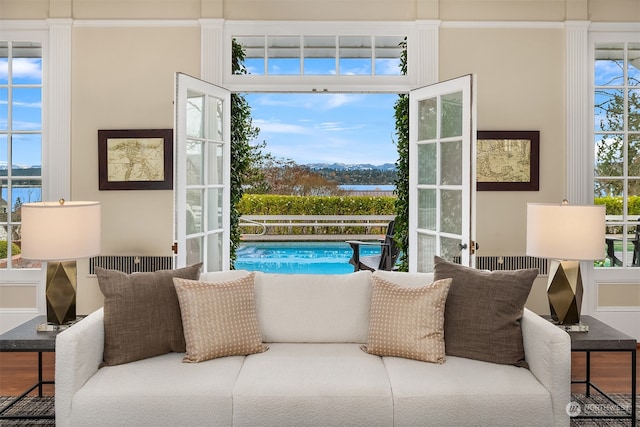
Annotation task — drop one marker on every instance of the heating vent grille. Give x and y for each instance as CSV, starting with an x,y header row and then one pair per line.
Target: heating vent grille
x,y
511,263
130,263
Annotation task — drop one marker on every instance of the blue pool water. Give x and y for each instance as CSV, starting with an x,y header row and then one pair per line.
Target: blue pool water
x,y
299,257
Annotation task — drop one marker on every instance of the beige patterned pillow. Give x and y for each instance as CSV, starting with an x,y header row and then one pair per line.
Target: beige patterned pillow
x,y
219,319
407,321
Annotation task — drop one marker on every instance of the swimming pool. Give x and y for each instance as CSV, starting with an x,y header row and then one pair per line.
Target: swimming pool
x,y
298,257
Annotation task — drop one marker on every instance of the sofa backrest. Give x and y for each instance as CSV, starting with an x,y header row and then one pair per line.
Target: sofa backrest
x,y
313,307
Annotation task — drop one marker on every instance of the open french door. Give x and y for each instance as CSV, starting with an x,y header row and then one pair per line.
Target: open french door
x,y
442,178
202,174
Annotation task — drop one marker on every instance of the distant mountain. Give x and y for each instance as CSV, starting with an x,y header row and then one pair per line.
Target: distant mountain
x,y
351,167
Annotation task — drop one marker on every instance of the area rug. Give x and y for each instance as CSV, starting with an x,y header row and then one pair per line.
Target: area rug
x,y
31,404
596,404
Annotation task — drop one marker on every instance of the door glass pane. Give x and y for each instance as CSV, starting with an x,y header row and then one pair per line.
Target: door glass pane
x,y
215,164
194,162
214,252
427,204
451,167
215,209
215,119
450,249
194,250
427,250
427,162
451,120
195,108
194,211
427,119
451,211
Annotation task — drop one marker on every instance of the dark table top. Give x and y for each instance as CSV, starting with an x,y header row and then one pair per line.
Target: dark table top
x,y
26,338
600,337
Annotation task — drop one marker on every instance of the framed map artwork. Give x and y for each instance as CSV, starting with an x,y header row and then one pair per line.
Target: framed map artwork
x,y
508,161
140,159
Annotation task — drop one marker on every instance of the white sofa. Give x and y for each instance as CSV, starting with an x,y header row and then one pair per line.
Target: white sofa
x,y
314,372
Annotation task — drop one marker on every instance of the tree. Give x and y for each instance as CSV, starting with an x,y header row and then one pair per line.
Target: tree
x,y
401,107
242,153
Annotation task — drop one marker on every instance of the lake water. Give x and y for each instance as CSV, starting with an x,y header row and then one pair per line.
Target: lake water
x,y
298,257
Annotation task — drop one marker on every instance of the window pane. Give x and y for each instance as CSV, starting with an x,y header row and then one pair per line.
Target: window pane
x,y
26,152
194,162
25,191
4,152
634,156
609,64
254,51
4,111
427,247
4,62
27,63
216,119
633,70
319,55
387,54
355,55
214,249
283,55
609,188
27,109
609,110
608,155
215,164
214,221
450,248
634,110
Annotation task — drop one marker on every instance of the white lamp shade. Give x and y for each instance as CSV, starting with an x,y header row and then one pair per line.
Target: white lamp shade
x,y
52,231
566,232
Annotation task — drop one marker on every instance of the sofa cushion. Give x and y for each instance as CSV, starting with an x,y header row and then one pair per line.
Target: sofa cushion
x,y
463,392
483,312
219,318
298,384
313,307
407,321
141,313
159,391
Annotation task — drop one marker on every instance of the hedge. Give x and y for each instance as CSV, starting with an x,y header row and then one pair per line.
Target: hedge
x,y
614,204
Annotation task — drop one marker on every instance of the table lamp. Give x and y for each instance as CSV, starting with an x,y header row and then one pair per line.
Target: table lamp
x,y
59,233
567,234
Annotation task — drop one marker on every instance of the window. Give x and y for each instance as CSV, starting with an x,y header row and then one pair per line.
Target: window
x,y
616,97
20,141
366,55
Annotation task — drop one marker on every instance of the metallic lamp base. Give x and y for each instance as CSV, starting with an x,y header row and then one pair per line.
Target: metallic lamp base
x,y
564,290
61,292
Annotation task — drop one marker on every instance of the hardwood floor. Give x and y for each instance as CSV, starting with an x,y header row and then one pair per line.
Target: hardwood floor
x,y
611,371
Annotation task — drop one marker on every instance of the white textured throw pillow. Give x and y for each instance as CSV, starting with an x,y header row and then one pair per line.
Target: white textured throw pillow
x,y
407,321
219,319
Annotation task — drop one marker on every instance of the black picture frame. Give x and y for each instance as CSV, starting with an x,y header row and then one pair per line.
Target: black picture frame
x,y
135,159
508,150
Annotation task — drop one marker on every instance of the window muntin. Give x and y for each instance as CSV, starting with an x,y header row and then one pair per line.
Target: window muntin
x,y
617,148
352,55
20,141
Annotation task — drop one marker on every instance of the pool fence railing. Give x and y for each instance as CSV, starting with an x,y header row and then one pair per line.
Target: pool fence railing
x,y
313,227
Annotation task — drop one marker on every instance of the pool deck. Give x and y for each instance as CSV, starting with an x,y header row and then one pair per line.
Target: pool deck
x,y
311,237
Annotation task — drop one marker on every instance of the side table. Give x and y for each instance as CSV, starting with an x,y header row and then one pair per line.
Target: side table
x,y
602,337
25,338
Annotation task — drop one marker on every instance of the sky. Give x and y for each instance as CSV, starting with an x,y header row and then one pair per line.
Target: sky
x,y
326,127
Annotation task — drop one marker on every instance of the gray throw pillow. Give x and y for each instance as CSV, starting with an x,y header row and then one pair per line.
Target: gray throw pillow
x,y
141,313
483,312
